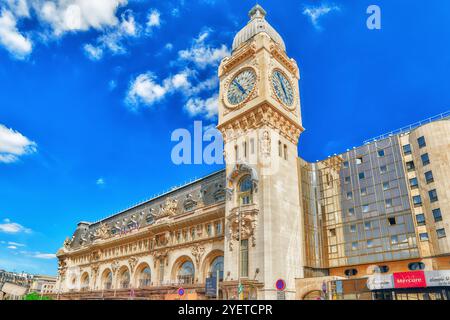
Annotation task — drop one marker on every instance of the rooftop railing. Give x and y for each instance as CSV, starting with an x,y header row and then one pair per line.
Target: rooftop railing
x,y
410,127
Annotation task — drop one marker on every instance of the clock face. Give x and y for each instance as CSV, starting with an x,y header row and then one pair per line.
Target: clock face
x,y
283,88
241,86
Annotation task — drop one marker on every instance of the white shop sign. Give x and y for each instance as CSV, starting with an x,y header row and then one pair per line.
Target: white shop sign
x,y
378,282
437,278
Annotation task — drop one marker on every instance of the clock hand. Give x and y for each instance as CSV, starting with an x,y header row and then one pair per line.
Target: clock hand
x,y
238,86
282,85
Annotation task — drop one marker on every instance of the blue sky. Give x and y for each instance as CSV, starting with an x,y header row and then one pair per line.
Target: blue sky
x,y
90,92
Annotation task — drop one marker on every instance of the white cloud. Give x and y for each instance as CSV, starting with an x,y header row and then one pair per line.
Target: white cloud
x,y
112,39
44,255
12,227
13,145
78,15
12,247
19,7
316,12
100,182
144,89
202,54
16,244
154,18
16,43
168,46
92,52
205,107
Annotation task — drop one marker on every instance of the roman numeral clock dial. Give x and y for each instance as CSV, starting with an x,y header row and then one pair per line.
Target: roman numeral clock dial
x,y
283,88
241,86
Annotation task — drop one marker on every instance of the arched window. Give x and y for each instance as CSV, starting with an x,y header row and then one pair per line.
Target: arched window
x,y
145,277
85,282
124,280
186,273
245,190
217,265
107,280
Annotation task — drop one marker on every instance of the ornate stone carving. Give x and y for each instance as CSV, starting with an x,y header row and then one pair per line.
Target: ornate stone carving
x,y
132,262
243,225
102,231
160,255
114,266
266,143
95,256
198,251
264,115
62,267
170,208
67,243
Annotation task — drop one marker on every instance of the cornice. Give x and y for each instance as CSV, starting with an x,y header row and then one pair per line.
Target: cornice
x,y
259,116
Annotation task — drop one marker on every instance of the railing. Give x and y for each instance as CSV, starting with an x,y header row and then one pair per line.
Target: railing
x,y
145,283
410,127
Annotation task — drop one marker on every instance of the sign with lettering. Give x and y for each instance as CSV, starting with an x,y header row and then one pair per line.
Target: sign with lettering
x,y
411,279
438,278
379,281
281,295
211,286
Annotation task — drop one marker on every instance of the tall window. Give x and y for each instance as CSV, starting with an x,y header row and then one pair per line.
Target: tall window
x,y
410,166
217,265
280,150
107,280
145,277
425,159
85,282
429,176
413,183
218,228
437,215
186,273
421,142
244,258
245,190
161,271
420,219
433,195
124,279
407,149
417,200
245,149
285,152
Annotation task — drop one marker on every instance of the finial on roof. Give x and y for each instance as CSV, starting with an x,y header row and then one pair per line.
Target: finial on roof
x,y
257,12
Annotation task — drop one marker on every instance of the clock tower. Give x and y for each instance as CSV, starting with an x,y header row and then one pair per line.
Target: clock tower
x,y
260,120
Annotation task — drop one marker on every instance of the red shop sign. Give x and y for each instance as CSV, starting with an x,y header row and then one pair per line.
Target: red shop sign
x,y
412,279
